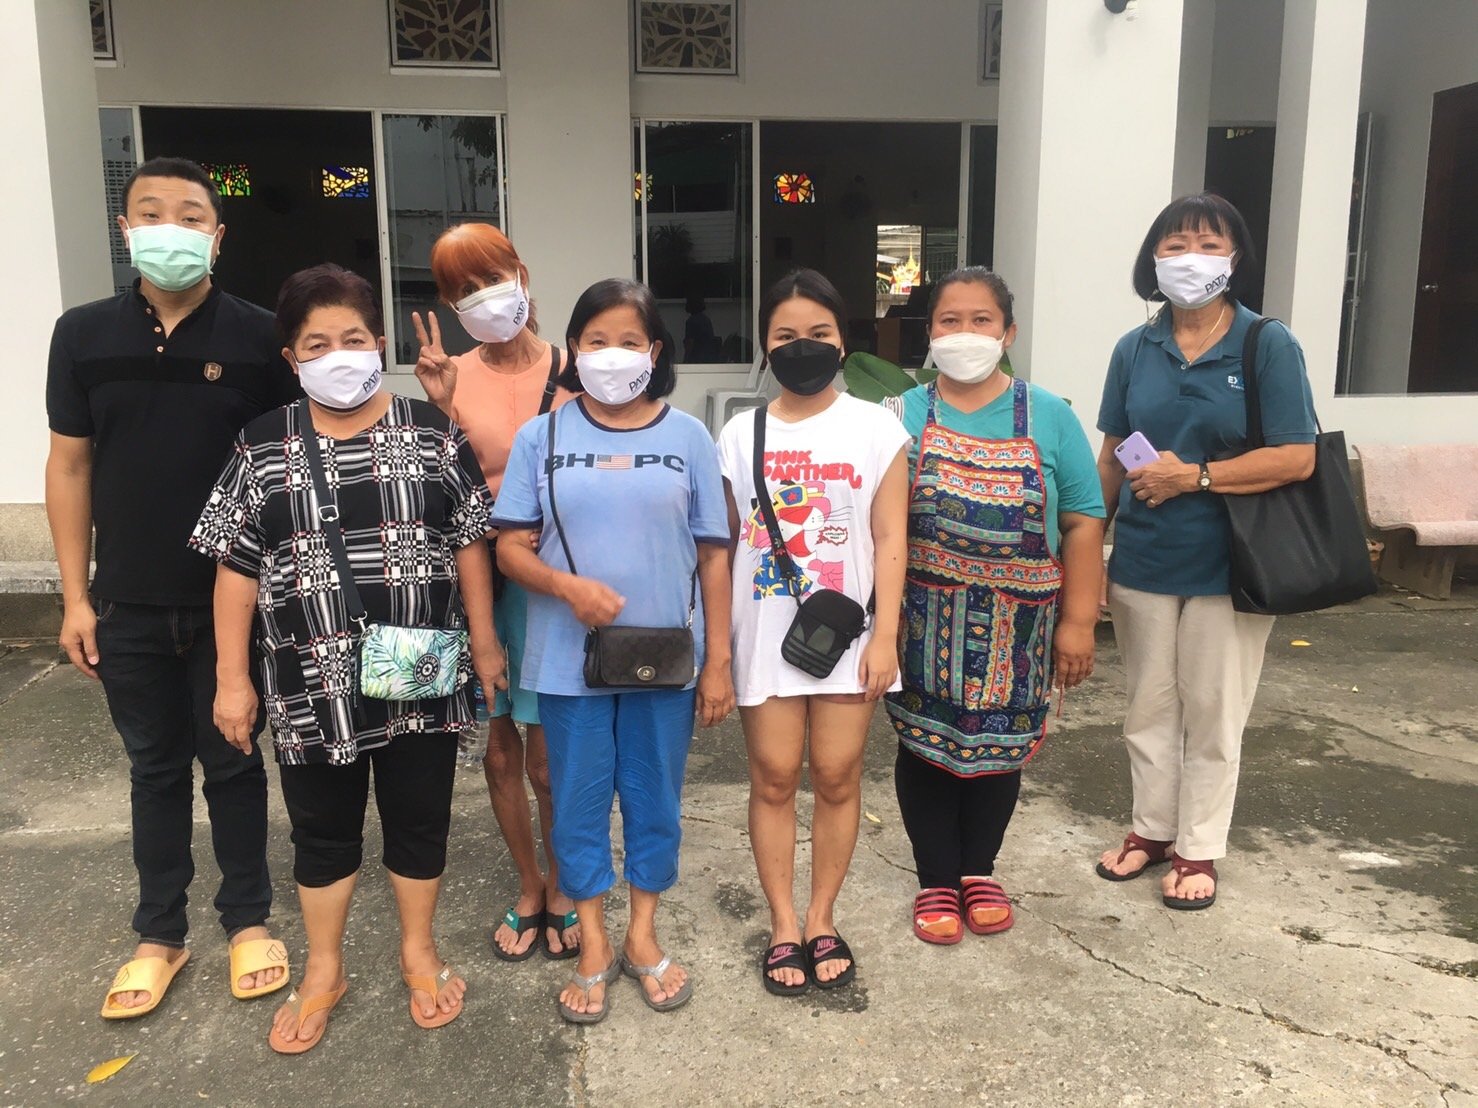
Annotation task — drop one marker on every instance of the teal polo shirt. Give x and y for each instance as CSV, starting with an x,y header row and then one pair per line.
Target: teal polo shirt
x,y
1198,410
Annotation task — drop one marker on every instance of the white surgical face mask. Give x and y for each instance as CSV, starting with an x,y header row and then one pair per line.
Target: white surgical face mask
x,y
614,375
342,379
496,313
967,357
1193,280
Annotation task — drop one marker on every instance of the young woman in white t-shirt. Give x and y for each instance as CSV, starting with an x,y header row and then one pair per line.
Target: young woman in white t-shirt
x,y
836,472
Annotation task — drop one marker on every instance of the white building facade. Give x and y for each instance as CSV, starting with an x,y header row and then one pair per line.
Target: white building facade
x,y
1040,136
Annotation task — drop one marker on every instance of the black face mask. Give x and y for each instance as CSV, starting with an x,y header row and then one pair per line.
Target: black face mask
x,y
805,366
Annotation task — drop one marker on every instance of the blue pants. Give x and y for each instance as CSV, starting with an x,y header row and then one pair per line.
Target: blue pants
x,y
632,744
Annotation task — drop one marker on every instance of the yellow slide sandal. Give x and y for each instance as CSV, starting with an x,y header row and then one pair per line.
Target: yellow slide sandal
x,y
253,956
142,975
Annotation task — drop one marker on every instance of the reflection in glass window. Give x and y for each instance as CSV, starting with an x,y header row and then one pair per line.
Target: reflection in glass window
x,y
697,253
440,170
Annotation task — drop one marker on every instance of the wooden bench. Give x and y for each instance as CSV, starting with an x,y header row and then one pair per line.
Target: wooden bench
x,y
1423,503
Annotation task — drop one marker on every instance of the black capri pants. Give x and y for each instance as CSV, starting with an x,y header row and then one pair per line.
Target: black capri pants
x,y
413,792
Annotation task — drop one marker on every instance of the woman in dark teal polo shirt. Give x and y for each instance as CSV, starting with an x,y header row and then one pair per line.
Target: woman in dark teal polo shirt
x,y
1192,662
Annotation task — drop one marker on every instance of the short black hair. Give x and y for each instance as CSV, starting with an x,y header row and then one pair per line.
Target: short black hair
x,y
181,168
325,286
977,275
612,293
808,284
1190,213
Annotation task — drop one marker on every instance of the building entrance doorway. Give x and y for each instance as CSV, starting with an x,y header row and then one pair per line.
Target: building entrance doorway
x,y
875,207
297,187
1444,331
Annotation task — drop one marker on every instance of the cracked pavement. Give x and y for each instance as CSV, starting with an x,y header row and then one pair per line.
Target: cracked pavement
x,y
1337,968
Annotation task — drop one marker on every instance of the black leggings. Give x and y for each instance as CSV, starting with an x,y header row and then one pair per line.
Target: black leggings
x,y
413,791
956,825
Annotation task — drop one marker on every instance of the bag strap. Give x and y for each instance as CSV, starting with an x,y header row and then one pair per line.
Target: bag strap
x,y
560,531
778,550
551,386
1250,390
326,512
553,507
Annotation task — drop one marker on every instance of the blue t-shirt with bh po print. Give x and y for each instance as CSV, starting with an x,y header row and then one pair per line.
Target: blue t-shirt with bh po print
x,y
634,505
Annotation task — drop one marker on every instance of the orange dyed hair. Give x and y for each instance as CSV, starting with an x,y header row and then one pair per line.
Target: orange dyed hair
x,y
468,254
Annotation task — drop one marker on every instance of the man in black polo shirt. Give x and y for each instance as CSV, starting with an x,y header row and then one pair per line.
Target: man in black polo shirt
x,y
144,394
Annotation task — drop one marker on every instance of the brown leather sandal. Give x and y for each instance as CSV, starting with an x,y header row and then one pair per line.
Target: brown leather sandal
x,y
1184,867
1159,853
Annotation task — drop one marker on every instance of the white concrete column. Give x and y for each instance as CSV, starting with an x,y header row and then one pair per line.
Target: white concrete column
x,y
1313,166
52,190
568,68
1197,39
1089,102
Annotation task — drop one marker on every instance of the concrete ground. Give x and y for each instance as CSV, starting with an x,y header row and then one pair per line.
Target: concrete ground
x,y
1337,967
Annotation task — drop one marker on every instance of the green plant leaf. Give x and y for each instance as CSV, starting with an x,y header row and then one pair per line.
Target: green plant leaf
x,y
871,378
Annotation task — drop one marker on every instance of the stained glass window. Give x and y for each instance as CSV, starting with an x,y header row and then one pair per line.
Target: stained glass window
x,y
232,179
444,33
687,38
642,184
346,182
794,188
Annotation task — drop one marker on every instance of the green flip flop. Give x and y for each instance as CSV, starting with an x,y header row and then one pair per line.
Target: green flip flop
x,y
519,924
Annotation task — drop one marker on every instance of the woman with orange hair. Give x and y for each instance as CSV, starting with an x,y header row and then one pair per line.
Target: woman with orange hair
x,y
491,391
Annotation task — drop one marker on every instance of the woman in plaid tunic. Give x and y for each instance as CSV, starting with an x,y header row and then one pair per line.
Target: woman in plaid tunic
x,y
414,512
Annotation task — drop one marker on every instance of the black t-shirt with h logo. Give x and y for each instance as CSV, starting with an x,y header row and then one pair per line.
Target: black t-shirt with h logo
x,y
162,412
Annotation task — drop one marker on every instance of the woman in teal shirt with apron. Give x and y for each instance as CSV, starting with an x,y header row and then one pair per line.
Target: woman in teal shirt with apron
x,y
1004,482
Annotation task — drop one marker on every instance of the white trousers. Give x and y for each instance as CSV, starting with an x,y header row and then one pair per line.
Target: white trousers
x,y
1193,665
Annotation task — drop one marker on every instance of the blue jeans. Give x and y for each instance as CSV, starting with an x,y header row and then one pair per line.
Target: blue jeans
x,y
632,744
158,669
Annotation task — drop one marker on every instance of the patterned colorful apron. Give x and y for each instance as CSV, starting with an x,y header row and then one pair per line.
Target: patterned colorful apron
x,y
980,601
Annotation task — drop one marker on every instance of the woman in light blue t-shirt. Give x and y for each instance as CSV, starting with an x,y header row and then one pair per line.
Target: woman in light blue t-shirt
x,y
637,535
1005,559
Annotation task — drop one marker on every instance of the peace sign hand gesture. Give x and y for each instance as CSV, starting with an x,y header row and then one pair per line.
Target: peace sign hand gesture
x,y
434,369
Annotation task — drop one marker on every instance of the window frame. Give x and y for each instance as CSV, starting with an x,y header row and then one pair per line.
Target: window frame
x,y
382,214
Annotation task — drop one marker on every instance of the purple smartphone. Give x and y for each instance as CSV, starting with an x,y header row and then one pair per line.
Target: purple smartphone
x,y
1135,452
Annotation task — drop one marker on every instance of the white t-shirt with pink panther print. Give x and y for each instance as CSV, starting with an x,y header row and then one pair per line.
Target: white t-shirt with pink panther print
x,y
821,474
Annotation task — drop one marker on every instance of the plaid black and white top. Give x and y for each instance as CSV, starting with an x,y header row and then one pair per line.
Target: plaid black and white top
x,y
410,495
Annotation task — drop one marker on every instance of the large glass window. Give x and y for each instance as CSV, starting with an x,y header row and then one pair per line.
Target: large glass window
x,y
694,216
440,170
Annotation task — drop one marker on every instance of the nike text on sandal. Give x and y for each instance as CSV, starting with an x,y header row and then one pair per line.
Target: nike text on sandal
x,y
676,1000
518,925
831,948
984,896
585,984
1159,854
934,907
1185,867
785,956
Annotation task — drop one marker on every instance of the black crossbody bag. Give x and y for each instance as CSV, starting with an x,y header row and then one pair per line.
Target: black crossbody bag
x,y
827,622
1299,547
551,387
630,657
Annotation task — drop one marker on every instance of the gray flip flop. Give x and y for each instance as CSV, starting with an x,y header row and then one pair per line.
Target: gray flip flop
x,y
681,997
585,984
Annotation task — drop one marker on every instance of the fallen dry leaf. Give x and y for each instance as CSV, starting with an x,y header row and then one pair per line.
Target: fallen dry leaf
x,y
104,1070
1299,642
872,818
